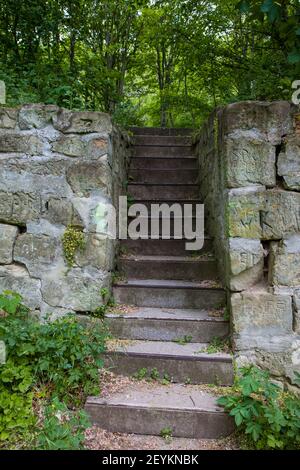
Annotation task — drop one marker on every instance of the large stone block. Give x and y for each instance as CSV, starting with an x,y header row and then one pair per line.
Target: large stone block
x,y
285,262
86,176
246,259
98,252
243,212
17,279
249,160
37,252
273,120
77,146
281,215
19,208
8,118
8,235
82,122
21,143
76,289
36,116
60,211
257,313
289,163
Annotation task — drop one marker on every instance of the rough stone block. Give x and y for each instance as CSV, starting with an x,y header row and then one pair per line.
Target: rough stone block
x,y
249,160
8,118
36,116
76,289
77,146
86,176
246,259
243,212
274,120
19,208
98,252
289,163
82,122
17,279
37,252
281,215
260,314
20,143
60,211
8,235
285,262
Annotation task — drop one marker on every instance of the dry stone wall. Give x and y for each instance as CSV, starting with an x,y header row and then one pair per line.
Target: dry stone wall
x,y
56,168
249,159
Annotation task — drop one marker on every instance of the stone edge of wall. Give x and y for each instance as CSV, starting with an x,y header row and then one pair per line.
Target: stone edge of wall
x,y
249,161
57,168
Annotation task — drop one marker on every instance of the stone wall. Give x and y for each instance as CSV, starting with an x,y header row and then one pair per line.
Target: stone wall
x,y
249,159
57,168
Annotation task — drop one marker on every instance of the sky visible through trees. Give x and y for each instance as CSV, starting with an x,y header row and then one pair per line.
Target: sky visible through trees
x,y
149,62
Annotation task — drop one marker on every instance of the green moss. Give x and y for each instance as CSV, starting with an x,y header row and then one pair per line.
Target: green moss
x,y
73,240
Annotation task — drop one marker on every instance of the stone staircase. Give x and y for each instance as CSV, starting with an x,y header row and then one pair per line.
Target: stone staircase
x,y
175,318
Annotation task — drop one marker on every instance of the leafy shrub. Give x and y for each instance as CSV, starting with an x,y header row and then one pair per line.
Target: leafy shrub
x,y
52,360
269,417
62,429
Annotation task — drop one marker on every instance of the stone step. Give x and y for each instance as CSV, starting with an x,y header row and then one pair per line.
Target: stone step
x,y
168,294
149,225
182,202
168,267
159,176
161,247
161,131
181,363
162,140
177,151
159,324
163,191
148,409
187,163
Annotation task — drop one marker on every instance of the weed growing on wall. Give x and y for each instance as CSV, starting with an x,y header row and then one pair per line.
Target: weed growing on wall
x,y
73,240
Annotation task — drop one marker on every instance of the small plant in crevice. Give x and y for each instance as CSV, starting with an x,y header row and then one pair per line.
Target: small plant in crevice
x,y
108,302
184,340
217,345
166,433
267,416
73,240
152,375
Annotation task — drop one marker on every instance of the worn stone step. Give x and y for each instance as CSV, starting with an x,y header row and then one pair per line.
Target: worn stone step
x,y
162,151
161,131
148,409
168,267
174,227
170,294
161,324
162,140
163,191
161,247
187,163
159,176
170,202
181,363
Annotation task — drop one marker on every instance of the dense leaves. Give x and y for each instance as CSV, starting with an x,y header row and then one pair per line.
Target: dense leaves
x,y
269,417
47,363
149,62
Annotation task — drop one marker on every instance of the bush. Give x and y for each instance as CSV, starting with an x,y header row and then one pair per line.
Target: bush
x,y
269,417
48,361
